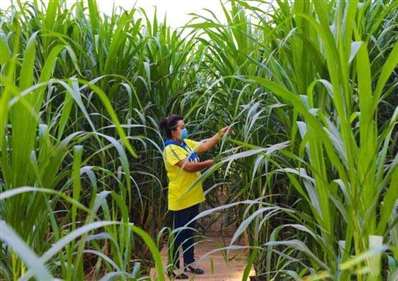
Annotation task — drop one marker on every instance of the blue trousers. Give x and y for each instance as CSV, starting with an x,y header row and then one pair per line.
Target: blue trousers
x,y
184,238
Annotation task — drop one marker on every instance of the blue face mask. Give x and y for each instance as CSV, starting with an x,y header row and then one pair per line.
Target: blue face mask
x,y
184,134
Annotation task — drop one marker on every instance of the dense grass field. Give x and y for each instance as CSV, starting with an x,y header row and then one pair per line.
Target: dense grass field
x,y
311,168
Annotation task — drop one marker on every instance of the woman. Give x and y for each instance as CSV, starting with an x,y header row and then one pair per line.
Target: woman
x,y
185,191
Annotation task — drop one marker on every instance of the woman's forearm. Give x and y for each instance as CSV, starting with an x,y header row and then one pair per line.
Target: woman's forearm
x,y
195,166
208,144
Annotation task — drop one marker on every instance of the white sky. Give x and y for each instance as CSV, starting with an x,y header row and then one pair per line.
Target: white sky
x,y
177,10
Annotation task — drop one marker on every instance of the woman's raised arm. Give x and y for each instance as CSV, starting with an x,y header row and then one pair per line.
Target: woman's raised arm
x,y
209,143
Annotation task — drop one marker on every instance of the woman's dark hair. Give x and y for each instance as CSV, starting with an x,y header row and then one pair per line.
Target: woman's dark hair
x,y
169,123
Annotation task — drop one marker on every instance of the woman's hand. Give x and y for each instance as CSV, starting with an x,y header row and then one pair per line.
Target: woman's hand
x,y
209,143
224,131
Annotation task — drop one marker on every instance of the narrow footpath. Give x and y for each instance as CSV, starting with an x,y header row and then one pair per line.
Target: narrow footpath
x,y
218,265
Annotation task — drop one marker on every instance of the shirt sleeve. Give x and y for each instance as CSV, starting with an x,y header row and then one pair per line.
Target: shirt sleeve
x,y
174,154
192,144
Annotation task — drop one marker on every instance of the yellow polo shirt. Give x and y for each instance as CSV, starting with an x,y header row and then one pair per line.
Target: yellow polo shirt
x,y
182,192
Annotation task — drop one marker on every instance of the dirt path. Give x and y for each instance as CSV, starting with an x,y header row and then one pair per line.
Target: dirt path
x,y
218,266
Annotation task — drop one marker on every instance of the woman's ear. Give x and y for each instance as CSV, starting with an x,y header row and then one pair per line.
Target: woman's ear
x,y
173,132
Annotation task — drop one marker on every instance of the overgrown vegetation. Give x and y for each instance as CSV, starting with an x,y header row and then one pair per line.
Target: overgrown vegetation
x,y
311,170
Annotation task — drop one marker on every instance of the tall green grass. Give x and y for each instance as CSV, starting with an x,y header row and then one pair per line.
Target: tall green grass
x,y
329,76
322,62
66,181
310,169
